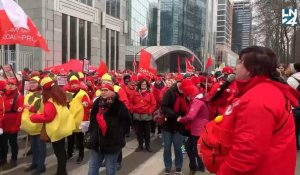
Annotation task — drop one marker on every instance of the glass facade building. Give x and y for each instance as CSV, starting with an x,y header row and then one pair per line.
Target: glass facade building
x,y
183,23
241,25
224,22
140,14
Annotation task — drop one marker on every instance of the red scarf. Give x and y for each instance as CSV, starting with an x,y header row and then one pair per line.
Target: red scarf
x,y
180,104
101,121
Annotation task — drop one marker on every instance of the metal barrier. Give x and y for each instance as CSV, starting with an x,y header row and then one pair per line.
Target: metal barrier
x,y
19,61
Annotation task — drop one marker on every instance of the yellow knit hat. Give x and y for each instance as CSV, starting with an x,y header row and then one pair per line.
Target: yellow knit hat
x,y
73,80
47,83
81,75
106,77
35,78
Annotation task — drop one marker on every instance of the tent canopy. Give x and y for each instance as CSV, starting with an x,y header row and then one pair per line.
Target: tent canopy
x,y
72,64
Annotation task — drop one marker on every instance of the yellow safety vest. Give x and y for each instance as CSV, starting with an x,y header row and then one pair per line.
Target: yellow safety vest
x,y
63,124
76,108
26,124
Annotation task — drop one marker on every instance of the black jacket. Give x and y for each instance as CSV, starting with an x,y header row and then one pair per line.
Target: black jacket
x,y
117,119
167,108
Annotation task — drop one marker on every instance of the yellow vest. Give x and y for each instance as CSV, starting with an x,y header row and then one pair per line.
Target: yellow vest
x,y
116,89
26,124
76,108
63,124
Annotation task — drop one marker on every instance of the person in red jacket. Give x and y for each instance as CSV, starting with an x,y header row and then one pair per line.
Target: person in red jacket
x,y
255,135
194,120
13,103
143,105
159,88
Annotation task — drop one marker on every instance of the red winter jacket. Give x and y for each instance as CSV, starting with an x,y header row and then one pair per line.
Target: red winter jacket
x,y
218,106
129,91
158,94
263,130
1,110
12,119
143,102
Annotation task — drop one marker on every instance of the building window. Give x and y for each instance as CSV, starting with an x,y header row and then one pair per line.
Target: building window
x,y
81,39
87,2
113,8
89,40
73,37
117,50
112,49
107,47
76,38
64,38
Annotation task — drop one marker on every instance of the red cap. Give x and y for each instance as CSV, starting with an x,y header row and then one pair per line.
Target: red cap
x,y
227,70
179,77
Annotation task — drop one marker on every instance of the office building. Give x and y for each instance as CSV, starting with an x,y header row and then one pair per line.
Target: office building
x,y
242,19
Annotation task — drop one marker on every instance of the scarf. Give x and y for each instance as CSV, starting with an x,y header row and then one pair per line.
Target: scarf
x,y
180,105
100,120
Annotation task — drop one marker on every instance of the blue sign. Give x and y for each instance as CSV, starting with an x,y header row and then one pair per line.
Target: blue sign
x,y
290,17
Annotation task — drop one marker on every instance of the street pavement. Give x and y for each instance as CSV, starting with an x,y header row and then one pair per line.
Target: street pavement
x,y
134,163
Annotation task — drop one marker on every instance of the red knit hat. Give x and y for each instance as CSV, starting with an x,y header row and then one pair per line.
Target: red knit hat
x,y
11,81
133,78
179,77
188,88
47,83
195,80
107,86
91,79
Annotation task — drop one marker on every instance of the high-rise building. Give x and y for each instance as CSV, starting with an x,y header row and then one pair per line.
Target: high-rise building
x,y
76,29
183,22
224,22
141,27
242,17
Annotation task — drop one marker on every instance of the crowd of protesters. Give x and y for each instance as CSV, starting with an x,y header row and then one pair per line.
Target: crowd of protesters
x,y
235,127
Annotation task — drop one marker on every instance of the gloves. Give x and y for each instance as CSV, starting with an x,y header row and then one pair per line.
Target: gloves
x,y
84,126
1,131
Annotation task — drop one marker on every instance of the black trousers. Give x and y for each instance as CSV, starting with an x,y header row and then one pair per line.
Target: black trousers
x,y
142,129
61,155
196,163
12,140
78,136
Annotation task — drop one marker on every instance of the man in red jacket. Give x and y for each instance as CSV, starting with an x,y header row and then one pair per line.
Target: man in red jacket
x,y
13,102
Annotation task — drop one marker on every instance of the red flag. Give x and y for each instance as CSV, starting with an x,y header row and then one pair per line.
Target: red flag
x,y
17,28
189,67
209,62
147,64
178,64
102,69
